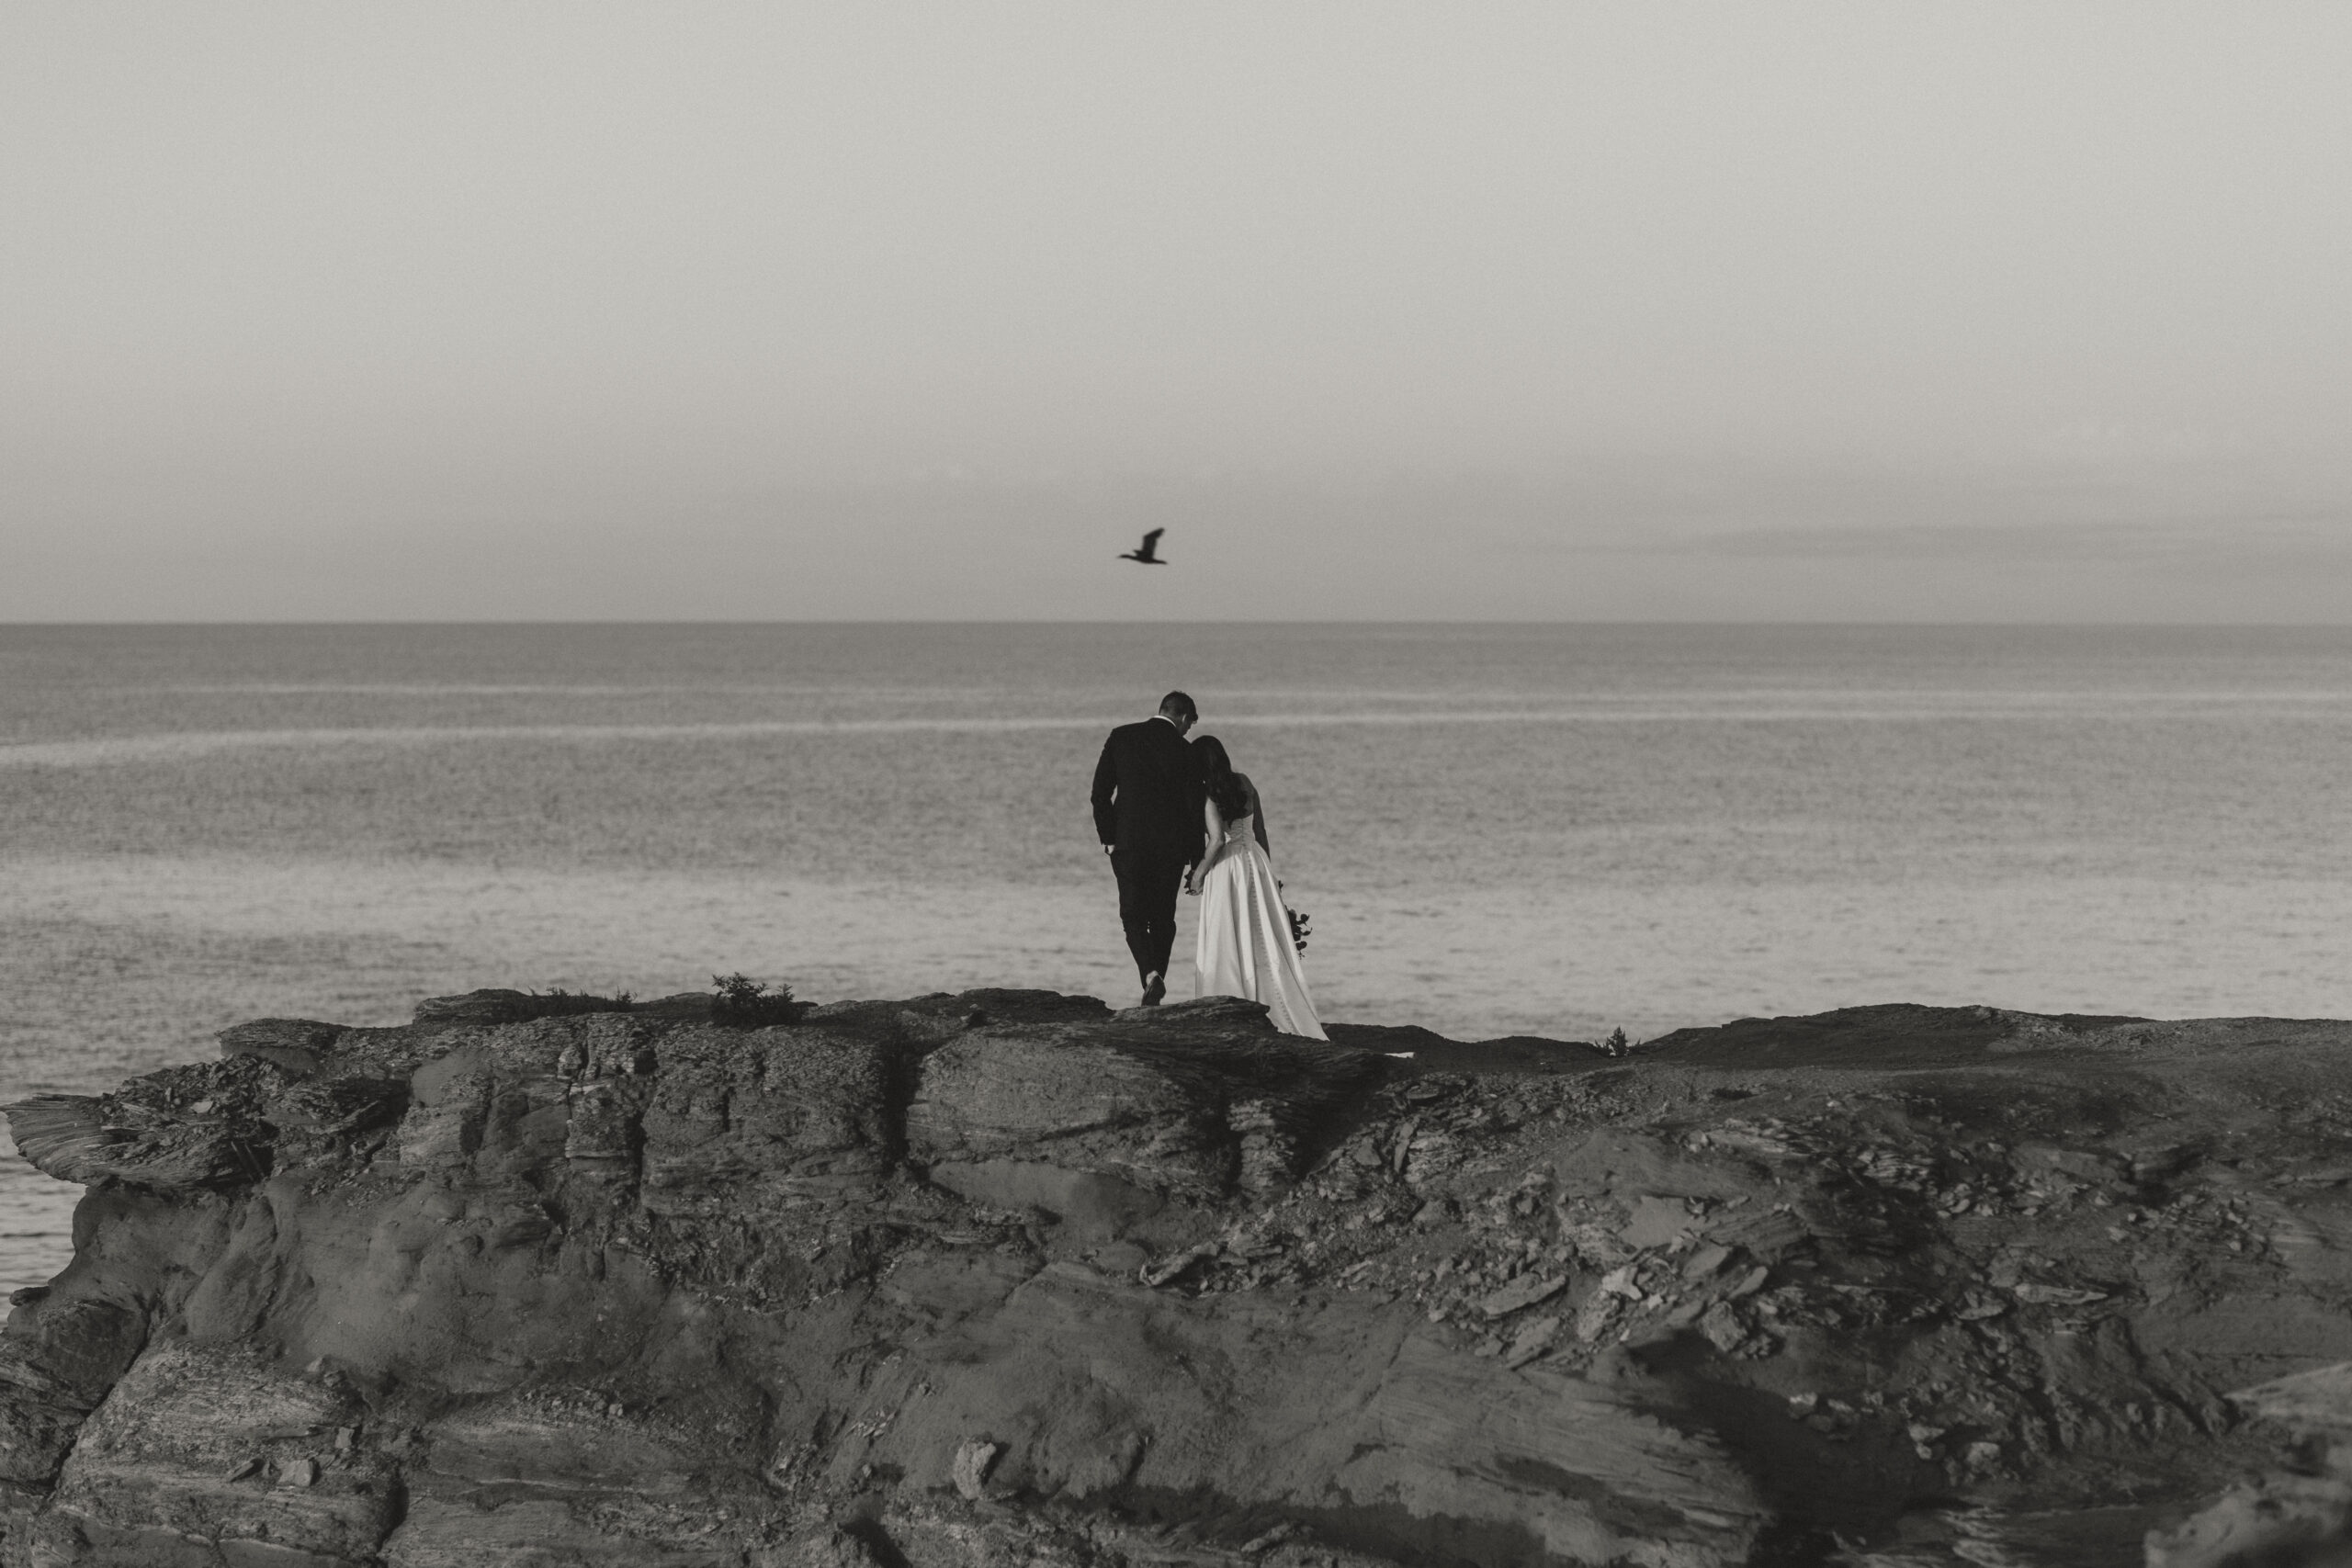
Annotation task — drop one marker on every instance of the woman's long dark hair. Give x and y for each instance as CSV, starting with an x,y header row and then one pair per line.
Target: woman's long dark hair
x,y
1217,773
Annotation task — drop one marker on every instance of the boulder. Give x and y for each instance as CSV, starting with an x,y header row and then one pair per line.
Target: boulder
x,y
1004,1277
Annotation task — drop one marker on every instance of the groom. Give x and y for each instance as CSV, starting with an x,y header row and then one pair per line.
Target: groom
x,y
1148,813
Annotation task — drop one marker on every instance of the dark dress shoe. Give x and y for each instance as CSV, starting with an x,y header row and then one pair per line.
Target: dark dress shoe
x,y
1154,987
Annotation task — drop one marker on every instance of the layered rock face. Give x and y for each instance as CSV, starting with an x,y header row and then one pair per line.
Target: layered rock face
x,y
1006,1276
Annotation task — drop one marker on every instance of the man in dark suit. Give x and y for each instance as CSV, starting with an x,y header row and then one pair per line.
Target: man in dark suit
x,y
1148,813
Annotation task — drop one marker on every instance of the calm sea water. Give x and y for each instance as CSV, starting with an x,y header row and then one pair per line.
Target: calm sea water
x,y
1553,830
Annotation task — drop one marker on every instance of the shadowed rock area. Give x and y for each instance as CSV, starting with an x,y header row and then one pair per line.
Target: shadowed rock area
x,y
1009,1277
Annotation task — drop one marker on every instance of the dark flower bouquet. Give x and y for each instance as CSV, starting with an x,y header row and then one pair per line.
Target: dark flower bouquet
x,y
1299,927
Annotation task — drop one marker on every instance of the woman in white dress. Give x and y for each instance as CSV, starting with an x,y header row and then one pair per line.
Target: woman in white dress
x,y
1245,943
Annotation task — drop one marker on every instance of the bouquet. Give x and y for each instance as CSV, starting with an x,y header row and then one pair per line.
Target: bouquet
x,y
1299,927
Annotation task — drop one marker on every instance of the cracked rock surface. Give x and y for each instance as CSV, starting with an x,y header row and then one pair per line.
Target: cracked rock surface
x,y
1008,1277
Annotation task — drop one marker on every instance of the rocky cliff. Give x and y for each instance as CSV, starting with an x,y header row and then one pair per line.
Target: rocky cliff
x,y
1006,1276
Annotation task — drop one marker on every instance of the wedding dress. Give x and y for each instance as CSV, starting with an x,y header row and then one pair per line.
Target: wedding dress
x,y
1245,947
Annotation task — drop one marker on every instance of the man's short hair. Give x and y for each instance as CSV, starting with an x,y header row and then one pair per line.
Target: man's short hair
x,y
1176,705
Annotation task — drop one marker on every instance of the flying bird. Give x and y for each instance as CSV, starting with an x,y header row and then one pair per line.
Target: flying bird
x,y
1146,552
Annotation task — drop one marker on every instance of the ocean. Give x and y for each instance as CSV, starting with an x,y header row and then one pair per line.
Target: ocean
x,y
1551,830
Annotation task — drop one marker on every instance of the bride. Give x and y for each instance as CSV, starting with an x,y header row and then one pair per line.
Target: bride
x,y
1244,943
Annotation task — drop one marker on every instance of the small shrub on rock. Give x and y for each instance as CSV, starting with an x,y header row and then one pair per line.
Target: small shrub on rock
x,y
743,1000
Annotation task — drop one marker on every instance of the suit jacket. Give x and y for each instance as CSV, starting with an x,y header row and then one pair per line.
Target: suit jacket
x,y
1148,791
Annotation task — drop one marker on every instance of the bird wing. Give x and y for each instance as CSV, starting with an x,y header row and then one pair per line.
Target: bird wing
x,y
1151,539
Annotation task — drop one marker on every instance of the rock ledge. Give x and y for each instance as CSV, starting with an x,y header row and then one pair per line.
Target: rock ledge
x,y
1009,1277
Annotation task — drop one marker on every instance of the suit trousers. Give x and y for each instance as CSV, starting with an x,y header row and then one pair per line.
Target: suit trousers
x,y
1149,880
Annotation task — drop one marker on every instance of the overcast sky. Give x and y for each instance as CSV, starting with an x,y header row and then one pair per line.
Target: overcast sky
x,y
1639,311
